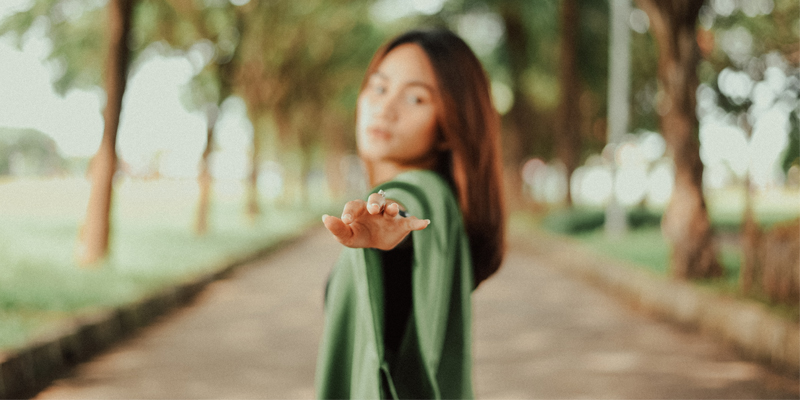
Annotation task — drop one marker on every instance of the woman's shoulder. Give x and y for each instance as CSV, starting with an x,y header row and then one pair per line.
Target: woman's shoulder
x,y
423,178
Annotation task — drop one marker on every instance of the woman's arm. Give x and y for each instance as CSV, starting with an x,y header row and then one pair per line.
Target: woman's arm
x,y
376,223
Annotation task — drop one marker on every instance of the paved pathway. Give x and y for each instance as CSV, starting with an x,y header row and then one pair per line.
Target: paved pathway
x,y
538,334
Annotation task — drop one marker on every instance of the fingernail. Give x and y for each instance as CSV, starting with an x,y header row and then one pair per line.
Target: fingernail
x,y
428,221
346,217
323,217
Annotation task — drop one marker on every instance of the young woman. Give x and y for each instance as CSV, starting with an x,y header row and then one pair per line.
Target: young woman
x,y
398,311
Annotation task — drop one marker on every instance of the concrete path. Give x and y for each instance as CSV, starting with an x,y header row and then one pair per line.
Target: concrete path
x,y
538,334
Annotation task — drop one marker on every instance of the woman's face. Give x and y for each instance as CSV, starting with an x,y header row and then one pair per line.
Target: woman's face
x,y
397,112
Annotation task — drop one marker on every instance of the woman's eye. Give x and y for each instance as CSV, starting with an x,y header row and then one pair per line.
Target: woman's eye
x,y
414,99
379,89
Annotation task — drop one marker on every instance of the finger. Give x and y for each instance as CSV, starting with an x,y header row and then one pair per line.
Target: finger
x,y
337,227
352,210
391,210
416,224
376,203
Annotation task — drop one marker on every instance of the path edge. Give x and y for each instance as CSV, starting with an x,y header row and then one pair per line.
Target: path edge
x,y
26,371
749,327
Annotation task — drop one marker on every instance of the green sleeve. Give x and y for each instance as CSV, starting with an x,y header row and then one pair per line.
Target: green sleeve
x,y
434,360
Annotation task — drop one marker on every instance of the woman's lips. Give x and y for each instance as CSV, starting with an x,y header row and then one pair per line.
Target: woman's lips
x,y
379,133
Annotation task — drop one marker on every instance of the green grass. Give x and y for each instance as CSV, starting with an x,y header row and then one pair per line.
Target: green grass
x,y
647,248
644,245
726,207
153,246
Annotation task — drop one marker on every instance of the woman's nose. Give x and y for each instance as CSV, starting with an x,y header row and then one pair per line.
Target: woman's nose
x,y
386,107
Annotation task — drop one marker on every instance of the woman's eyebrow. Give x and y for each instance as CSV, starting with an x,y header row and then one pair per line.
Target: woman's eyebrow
x,y
422,84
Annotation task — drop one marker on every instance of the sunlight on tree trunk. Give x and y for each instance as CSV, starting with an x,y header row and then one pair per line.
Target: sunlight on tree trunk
x,y
93,239
568,137
685,224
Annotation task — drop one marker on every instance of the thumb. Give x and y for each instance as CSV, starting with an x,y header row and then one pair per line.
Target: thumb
x,y
415,224
337,227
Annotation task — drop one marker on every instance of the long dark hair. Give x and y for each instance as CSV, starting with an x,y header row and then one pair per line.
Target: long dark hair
x,y
470,126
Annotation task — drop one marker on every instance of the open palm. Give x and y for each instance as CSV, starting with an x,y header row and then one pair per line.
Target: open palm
x,y
372,225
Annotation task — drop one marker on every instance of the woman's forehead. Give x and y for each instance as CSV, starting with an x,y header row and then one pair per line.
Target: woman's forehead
x,y
408,64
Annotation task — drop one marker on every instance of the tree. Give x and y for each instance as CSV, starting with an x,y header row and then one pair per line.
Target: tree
x,y
93,240
88,45
29,152
290,82
618,99
568,127
522,127
221,26
224,68
686,223
774,55
530,61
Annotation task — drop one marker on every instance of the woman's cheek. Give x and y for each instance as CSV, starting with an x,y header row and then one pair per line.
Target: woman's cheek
x,y
363,118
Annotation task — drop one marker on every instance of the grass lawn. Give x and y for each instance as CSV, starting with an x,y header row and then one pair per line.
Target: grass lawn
x,y
153,246
645,246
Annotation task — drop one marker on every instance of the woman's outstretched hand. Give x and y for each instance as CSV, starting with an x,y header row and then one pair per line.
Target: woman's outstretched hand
x,y
375,223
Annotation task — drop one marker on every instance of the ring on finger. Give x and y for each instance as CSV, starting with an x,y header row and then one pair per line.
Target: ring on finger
x,y
382,194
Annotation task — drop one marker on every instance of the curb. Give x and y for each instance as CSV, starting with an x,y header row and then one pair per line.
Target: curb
x,y
749,327
25,372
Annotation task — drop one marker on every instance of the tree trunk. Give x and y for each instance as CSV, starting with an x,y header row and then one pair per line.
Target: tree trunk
x,y
334,145
685,223
226,72
204,178
289,143
779,261
568,119
94,235
522,133
750,271
619,75
255,94
253,207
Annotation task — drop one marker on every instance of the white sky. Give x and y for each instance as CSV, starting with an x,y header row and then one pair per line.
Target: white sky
x,y
27,100
153,122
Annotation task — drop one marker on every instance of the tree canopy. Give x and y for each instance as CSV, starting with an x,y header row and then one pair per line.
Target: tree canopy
x,y
289,60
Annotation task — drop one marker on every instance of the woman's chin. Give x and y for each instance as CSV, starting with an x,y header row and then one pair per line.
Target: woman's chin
x,y
373,152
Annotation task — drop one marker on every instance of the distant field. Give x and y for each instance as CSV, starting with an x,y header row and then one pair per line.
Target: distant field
x,y
153,245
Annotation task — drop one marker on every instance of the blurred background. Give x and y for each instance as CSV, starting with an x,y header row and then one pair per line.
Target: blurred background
x,y
143,142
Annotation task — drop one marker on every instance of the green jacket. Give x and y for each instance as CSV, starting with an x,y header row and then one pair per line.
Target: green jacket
x,y
435,356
